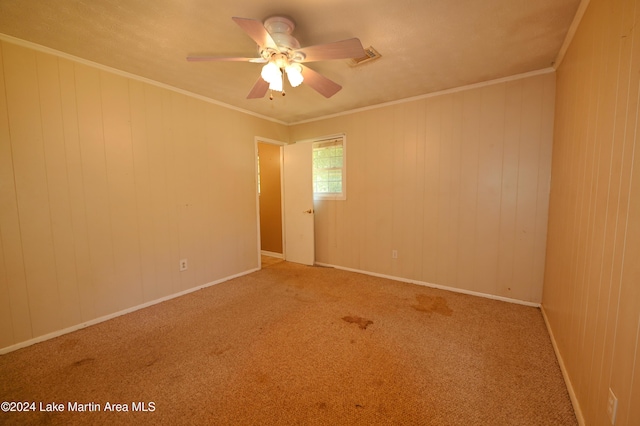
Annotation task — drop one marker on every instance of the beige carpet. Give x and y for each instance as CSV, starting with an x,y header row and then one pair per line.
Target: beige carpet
x,y
270,260
298,345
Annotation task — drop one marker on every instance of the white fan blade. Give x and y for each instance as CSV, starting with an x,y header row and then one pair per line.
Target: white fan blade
x,y
256,30
259,89
320,83
345,49
222,59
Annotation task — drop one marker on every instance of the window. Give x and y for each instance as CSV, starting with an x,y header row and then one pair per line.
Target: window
x,y
329,165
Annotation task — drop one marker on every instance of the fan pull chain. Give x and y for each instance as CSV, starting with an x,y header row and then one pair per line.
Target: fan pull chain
x,y
283,91
282,73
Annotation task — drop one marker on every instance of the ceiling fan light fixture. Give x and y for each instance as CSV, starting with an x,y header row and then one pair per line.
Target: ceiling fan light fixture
x,y
276,85
280,53
294,74
271,73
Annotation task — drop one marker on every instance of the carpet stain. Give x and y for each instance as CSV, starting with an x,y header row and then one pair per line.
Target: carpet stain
x,y
220,351
430,304
83,362
261,378
321,405
362,322
69,344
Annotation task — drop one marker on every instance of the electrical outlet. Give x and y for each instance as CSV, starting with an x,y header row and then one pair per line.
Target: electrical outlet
x,y
612,407
183,265
394,254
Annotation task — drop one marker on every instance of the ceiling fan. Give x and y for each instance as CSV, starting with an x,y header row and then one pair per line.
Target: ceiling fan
x,y
281,53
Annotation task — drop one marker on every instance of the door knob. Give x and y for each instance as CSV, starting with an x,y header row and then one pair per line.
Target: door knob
x,y
308,211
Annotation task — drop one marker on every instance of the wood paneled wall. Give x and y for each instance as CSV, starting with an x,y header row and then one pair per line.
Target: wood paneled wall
x,y
458,184
105,183
592,280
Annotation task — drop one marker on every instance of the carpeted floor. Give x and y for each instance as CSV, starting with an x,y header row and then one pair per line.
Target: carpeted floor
x,y
299,345
270,260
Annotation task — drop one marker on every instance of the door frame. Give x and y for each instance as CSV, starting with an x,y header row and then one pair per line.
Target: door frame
x,y
259,139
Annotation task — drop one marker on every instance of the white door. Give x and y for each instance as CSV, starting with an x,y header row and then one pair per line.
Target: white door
x,y
298,204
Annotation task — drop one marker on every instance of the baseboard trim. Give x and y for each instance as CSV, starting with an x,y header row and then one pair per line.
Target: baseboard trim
x,y
565,373
272,254
438,286
117,314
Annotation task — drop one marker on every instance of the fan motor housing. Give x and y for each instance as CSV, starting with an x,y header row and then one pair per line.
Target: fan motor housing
x,y
280,29
285,40
279,24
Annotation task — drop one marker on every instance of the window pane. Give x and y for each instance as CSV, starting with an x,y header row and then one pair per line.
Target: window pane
x,y
335,187
323,187
334,175
328,166
323,163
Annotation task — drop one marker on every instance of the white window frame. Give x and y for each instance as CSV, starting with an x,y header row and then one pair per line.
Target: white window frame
x,y
343,194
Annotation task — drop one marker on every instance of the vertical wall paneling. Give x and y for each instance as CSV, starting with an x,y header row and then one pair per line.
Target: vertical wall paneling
x,y
158,148
377,153
410,205
75,180
626,343
16,319
106,182
217,191
354,210
116,115
462,183
370,218
509,187
591,296
528,169
491,148
6,179
171,202
439,183
397,178
451,148
210,197
29,164
343,216
6,329
197,135
179,178
431,216
225,192
544,182
201,245
58,188
359,206
96,189
627,335
604,92
468,208
143,192
420,187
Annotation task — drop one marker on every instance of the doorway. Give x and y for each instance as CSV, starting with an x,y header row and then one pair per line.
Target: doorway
x,y
269,175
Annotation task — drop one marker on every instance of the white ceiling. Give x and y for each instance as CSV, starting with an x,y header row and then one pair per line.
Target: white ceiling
x,y
426,45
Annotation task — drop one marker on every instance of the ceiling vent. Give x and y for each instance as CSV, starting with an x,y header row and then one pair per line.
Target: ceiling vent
x,y
371,54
